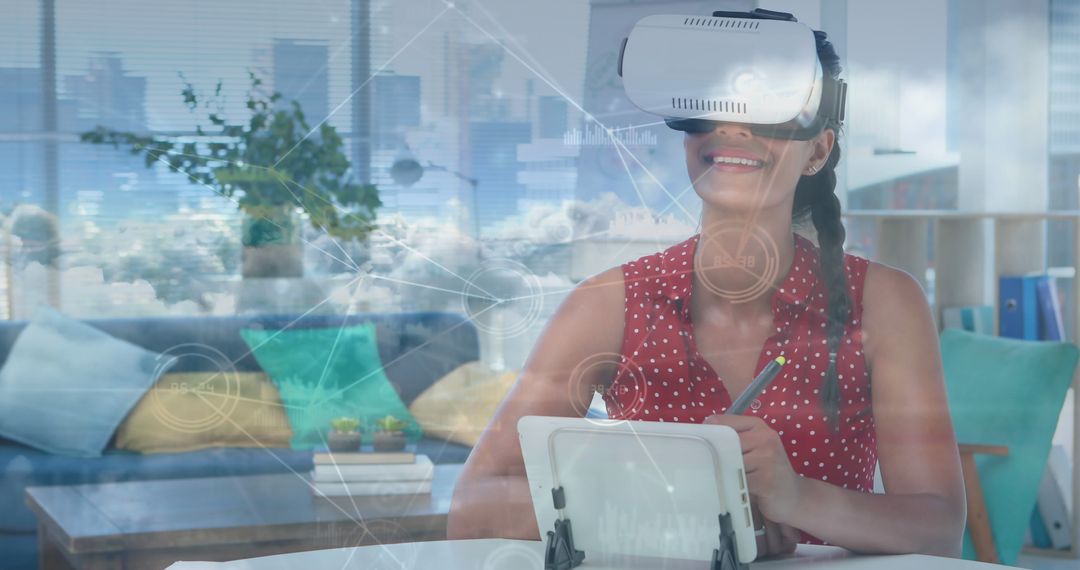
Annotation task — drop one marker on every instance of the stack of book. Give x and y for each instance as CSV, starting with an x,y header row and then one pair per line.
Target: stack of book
x,y
1029,308
338,474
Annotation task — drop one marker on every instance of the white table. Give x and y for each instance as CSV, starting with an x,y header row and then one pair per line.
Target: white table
x,y
502,554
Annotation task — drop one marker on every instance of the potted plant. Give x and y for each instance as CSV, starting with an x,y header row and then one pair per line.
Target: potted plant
x,y
344,435
275,166
390,434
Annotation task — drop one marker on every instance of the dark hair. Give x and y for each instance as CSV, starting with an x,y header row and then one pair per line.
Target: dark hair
x,y
815,197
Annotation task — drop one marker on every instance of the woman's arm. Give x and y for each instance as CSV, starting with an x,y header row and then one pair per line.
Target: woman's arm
x,y
924,508
492,497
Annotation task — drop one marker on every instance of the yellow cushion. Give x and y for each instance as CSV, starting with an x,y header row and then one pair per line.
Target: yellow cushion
x,y
459,406
199,410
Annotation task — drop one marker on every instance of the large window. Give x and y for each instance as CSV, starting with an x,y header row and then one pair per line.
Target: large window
x,y
493,114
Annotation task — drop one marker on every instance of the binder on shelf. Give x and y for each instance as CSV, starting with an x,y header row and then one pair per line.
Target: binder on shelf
x,y
1018,307
1050,321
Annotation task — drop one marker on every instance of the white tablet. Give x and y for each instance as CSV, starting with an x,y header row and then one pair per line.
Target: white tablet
x,y
649,489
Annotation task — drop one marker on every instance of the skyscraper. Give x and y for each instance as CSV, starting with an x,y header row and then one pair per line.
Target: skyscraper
x,y
553,117
1064,174
300,74
495,165
360,135
397,107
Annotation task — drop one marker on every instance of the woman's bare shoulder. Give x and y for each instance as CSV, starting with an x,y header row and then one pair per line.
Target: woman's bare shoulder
x,y
893,301
590,317
595,304
887,287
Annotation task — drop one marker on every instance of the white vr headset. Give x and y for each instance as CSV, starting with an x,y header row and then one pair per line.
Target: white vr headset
x,y
759,68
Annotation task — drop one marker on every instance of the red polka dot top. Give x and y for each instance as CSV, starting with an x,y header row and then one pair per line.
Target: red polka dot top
x,y
663,377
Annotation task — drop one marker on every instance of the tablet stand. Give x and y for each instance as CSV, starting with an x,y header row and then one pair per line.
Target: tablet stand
x,y
727,556
560,553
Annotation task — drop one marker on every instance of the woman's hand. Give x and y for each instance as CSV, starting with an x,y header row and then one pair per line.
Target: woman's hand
x,y
773,483
777,538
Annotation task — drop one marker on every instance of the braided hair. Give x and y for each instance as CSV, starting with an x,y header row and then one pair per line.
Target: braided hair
x,y
815,198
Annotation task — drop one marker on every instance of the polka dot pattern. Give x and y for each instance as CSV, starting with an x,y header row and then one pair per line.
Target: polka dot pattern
x,y
665,377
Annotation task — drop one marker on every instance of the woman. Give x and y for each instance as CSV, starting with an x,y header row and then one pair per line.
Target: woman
x,y
677,335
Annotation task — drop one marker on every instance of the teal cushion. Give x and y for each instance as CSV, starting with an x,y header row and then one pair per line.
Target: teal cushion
x,y
325,373
67,386
1007,392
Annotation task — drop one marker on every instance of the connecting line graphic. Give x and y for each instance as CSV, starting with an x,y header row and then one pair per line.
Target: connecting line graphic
x,y
548,77
432,287
305,479
333,56
362,85
309,311
633,182
343,389
569,99
357,521
157,156
617,255
760,199
619,147
281,330
283,179
286,465
632,127
333,351
648,172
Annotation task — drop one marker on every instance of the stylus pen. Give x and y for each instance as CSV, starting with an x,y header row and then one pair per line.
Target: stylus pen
x,y
768,374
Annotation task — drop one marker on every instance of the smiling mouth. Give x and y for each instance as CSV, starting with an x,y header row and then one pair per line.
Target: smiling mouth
x,y
734,163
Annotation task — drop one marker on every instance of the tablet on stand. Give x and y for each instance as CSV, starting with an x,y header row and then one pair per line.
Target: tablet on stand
x,y
606,489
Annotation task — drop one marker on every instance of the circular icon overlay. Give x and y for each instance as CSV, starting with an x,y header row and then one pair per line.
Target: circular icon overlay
x,y
763,265
197,401
628,389
503,298
516,556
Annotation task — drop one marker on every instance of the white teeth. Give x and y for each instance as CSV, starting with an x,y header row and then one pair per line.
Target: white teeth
x,y
739,161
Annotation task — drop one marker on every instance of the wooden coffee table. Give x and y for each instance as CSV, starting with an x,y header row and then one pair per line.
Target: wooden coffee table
x,y
151,524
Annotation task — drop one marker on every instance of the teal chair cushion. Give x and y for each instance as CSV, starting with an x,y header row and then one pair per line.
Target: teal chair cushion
x,y
1009,392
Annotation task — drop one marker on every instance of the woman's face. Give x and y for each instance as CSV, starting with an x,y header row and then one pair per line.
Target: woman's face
x,y
717,164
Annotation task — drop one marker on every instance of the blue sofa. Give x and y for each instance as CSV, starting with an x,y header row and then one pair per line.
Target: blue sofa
x,y
416,348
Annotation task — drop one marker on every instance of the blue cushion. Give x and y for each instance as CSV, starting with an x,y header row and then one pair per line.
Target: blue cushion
x,y
67,386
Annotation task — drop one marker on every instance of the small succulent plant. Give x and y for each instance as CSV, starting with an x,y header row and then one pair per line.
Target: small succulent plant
x,y
345,425
390,423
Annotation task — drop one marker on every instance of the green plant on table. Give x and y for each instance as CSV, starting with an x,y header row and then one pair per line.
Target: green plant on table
x,y
345,425
391,424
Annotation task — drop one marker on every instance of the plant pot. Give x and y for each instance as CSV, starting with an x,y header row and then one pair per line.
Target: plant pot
x,y
343,441
272,246
389,441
